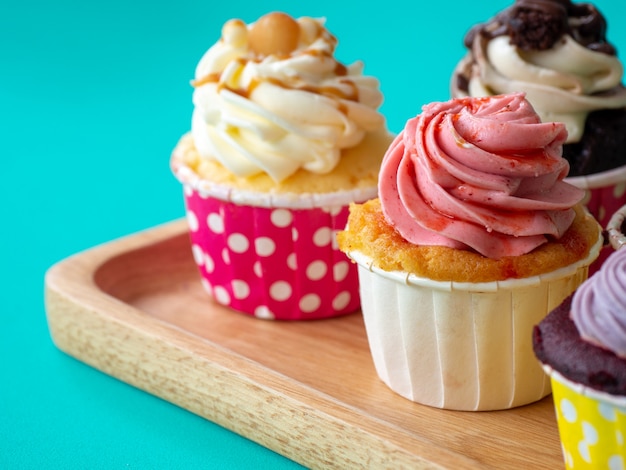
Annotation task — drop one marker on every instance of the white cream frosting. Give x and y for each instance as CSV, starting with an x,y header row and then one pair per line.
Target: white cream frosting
x,y
564,83
278,113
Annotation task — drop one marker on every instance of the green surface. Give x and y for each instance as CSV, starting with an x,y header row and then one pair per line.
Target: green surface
x,y
93,97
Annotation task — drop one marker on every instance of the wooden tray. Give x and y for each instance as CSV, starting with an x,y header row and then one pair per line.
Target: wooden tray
x,y
135,309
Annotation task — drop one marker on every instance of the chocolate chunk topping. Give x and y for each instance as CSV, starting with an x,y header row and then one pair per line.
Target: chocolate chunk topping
x,y
532,29
539,24
589,28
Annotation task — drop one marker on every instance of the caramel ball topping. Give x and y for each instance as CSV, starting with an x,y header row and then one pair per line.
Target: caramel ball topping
x,y
275,33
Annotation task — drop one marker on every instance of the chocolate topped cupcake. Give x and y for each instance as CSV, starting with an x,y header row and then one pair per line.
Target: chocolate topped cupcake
x,y
557,52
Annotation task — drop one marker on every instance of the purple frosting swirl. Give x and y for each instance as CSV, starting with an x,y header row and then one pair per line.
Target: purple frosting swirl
x,y
599,306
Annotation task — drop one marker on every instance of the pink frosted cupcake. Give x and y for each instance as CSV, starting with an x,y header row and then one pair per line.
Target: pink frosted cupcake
x,y
474,238
283,138
557,53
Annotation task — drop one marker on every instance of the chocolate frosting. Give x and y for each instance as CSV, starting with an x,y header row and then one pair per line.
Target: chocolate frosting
x,y
539,24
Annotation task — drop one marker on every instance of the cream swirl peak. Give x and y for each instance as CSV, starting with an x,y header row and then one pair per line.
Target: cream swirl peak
x,y
555,51
270,97
478,173
599,306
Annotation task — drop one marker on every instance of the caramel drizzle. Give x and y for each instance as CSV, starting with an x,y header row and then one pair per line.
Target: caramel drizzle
x,y
329,91
210,78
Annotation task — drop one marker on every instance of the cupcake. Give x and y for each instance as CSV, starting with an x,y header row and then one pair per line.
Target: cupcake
x,y
283,138
616,229
473,239
557,53
582,346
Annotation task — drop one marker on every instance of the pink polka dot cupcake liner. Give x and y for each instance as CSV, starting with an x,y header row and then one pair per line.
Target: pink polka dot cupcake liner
x,y
272,256
276,263
605,194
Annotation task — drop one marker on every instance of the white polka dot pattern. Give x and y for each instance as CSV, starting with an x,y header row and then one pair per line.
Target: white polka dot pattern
x,y
215,223
591,430
241,290
264,246
198,255
192,221
278,264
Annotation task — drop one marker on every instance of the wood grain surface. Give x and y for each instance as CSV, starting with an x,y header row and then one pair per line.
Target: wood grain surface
x,y
134,308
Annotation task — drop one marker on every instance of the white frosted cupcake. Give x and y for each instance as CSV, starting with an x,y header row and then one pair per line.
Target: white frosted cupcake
x,y
283,138
473,240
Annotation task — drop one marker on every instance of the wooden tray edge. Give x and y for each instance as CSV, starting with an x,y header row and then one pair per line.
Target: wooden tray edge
x,y
244,396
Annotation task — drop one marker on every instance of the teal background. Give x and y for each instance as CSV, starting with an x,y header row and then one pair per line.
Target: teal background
x,y
93,97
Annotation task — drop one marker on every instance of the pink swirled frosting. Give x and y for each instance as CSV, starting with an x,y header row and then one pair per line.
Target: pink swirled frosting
x,y
479,173
599,306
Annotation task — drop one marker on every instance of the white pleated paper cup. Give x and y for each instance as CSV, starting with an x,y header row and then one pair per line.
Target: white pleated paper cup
x,y
461,346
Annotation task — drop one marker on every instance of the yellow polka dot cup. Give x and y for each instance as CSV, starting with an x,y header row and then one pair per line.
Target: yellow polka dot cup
x,y
592,425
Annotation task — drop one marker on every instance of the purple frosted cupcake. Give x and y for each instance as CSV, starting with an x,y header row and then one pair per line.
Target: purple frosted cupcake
x,y
582,346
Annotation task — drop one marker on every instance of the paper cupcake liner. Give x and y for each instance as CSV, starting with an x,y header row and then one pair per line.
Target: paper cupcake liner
x,y
272,262
592,424
243,197
617,238
461,346
605,194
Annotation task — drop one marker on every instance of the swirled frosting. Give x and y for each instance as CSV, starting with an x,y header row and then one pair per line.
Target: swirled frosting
x,y
555,51
478,173
599,306
270,97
